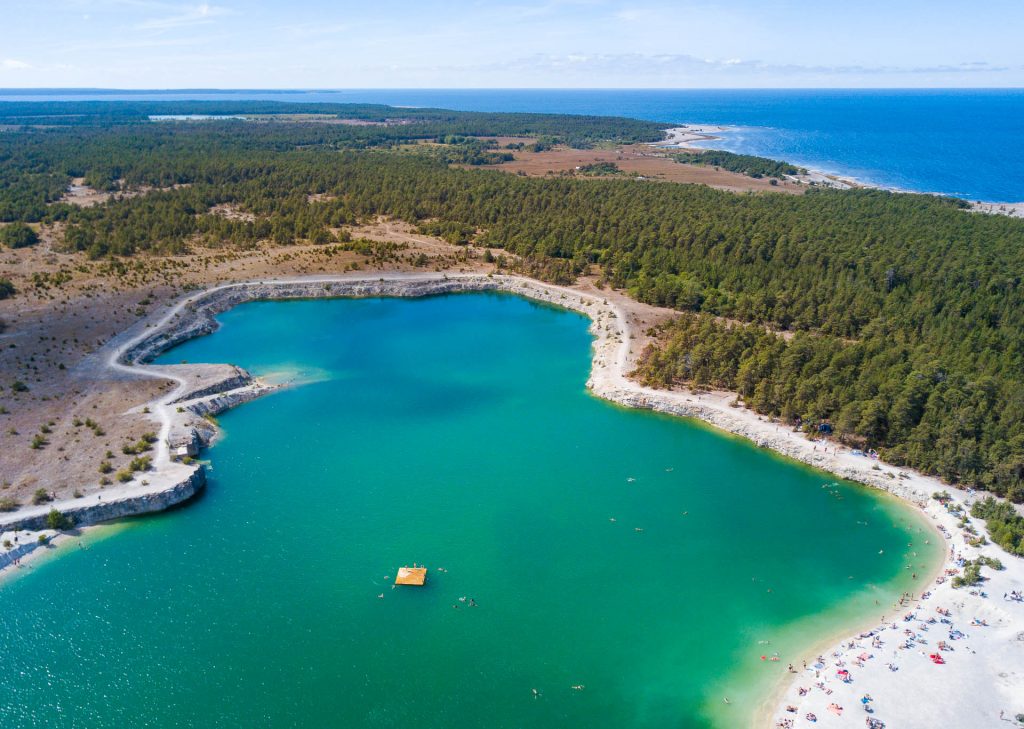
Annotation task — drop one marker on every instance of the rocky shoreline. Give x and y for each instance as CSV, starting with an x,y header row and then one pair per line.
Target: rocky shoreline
x,y
609,377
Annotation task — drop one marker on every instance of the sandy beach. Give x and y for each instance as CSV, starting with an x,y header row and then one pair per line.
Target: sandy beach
x,y
686,136
692,137
1014,210
982,676
891,676
696,137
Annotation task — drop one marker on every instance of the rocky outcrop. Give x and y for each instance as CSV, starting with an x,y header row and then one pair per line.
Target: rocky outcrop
x,y
239,378
119,508
228,400
197,318
186,327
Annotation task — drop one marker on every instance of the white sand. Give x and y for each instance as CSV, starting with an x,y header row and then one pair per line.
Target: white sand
x,y
1013,210
693,137
982,678
686,136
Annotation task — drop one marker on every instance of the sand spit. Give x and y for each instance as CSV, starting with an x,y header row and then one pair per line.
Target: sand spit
x,y
686,136
690,138
694,138
982,677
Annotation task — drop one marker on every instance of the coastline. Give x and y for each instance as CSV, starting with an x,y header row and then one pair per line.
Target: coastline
x,y
693,138
690,137
209,389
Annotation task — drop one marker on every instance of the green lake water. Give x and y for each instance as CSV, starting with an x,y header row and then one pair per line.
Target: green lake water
x,y
454,432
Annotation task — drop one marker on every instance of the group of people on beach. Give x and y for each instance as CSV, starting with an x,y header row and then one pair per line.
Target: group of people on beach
x,y
914,633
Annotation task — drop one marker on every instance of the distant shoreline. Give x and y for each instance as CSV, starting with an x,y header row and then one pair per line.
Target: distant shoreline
x,y
692,137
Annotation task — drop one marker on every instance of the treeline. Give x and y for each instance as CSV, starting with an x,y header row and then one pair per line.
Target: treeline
x,y
388,121
904,399
745,164
37,163
908,312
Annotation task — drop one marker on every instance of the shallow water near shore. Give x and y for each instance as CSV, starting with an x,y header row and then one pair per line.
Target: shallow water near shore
x,y
454,432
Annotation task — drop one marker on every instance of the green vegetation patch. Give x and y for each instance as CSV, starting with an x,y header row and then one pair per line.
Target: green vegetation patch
x,y
1005,525
745,164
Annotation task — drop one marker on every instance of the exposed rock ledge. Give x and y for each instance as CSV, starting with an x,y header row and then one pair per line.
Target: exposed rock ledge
x,y
141,500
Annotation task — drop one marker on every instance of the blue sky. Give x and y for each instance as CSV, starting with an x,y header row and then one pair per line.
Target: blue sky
x,y
528,43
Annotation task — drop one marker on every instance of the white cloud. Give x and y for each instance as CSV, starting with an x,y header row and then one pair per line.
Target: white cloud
x,y
315,30
187,15
642,65
12,64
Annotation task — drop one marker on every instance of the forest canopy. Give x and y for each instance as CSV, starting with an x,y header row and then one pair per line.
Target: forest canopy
x,y
903,314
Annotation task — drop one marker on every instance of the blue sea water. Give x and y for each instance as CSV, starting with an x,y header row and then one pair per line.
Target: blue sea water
x,y
966,143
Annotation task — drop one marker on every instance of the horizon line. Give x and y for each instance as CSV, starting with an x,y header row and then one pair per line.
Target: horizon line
x,y
313,89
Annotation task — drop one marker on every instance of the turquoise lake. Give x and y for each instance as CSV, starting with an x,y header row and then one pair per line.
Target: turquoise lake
x,y
454,432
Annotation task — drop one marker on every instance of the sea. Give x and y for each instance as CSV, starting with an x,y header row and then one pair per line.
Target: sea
x,y
589,565
958,142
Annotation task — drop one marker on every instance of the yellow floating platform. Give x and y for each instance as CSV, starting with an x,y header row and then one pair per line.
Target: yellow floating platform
x,y
411,576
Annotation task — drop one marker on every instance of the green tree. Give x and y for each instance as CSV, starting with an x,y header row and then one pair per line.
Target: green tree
x,y
18,235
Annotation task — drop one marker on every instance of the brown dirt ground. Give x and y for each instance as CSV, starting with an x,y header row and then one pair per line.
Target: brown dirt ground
x,y
638,159
67,307
84,196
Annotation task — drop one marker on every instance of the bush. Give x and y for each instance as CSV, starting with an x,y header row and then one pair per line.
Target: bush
x,y
105,467
40,497
124,475
18,235
971,576
8,504
990,562
1005,525
6,288
142,463
972,571
59,522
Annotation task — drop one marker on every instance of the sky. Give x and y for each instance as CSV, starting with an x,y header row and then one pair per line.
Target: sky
x,y
338,44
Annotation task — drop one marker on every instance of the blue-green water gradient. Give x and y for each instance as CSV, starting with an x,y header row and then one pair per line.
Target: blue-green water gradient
x,y
454,432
